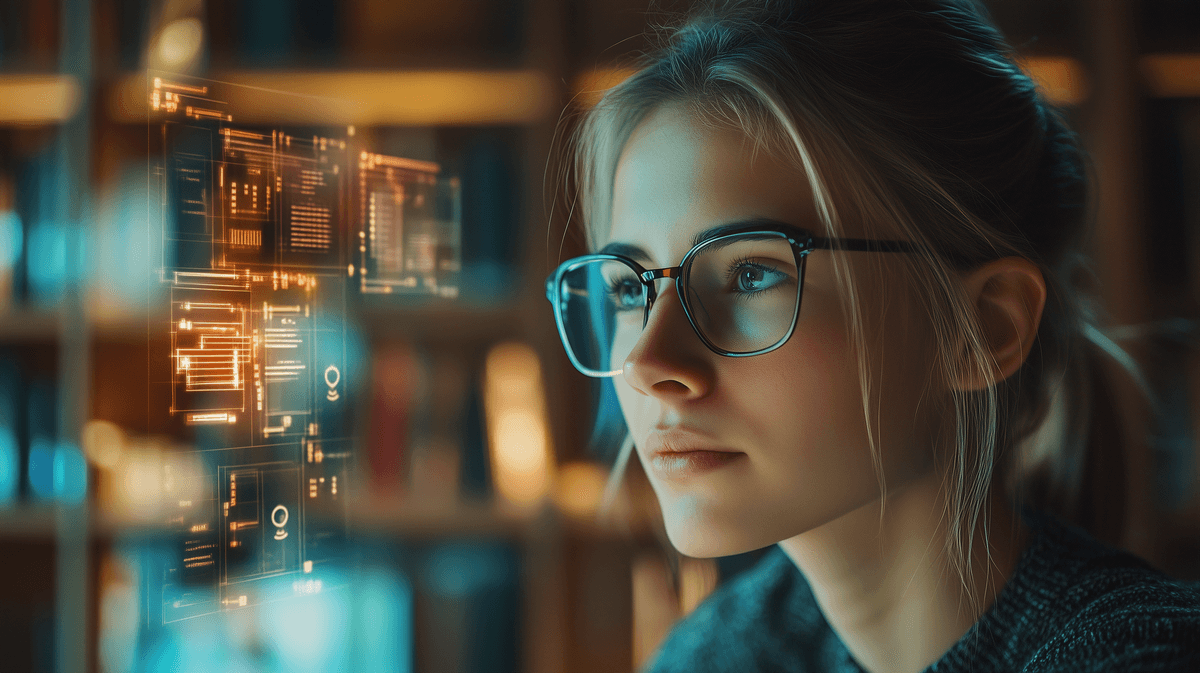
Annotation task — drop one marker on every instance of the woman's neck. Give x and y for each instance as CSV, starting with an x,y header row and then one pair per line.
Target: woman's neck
x,y
885,584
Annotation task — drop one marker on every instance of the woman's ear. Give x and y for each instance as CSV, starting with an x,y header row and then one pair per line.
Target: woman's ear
x,y
1008,295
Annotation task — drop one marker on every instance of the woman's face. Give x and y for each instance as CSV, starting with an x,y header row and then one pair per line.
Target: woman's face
x,y
786,440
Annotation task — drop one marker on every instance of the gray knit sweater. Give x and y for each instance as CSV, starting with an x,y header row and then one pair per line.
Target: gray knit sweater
x,y
1072,604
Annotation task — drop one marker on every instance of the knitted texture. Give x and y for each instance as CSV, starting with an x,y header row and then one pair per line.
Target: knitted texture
x,y
1071,604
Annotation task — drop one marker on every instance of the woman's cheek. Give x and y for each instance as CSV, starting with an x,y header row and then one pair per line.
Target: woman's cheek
x,y
818,360
807,392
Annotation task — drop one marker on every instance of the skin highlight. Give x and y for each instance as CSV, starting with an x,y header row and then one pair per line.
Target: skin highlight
x,y
805,476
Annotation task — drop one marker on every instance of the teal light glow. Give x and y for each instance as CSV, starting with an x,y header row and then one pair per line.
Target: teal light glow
x,y
57,256
10,466
46,262
461,569
384,623
70,473
41,467
308,633
12,236
122,238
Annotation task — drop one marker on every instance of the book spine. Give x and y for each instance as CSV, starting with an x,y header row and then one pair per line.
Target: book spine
x,y
393,371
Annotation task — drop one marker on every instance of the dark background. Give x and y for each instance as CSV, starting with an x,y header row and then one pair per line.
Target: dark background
x,y
562,593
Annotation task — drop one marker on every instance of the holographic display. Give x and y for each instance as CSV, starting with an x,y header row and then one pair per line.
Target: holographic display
x,y
267,237
406,245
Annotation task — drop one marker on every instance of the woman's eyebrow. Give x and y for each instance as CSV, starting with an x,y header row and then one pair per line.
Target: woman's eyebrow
x,y
733,227
639,254
626,250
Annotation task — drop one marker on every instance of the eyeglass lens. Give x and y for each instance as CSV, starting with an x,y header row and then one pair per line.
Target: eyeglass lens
x,y
742,294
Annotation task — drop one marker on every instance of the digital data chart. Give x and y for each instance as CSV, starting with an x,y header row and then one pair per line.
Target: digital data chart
x,y
267,237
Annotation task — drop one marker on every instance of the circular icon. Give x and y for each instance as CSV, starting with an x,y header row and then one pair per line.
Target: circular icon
x,y
332,395
279,523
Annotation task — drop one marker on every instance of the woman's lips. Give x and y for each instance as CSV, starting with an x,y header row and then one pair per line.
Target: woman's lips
x,y
678,453
682,464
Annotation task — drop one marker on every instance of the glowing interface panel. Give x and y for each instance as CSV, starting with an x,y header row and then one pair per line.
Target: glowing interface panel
x,y
405,245
267,237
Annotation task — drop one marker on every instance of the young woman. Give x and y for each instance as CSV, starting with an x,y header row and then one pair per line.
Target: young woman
x,y
831,291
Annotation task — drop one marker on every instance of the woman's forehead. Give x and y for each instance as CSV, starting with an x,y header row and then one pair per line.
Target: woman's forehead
x,y
679,174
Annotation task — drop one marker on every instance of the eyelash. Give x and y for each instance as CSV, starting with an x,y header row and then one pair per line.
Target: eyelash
x,y
743,262
612,286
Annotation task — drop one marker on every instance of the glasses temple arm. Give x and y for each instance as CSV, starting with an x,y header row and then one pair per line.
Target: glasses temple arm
x,y
860,245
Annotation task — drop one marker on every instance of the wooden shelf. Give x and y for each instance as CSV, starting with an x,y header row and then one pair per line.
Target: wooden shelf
x,y
27,521
365,520
45,326
41,521
451,323
23,325
404,519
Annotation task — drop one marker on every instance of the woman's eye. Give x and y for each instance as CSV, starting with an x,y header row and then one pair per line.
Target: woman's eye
x,y
753,278
625,293
750,279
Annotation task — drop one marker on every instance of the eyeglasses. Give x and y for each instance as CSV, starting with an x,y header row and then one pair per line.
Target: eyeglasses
x,y
740,291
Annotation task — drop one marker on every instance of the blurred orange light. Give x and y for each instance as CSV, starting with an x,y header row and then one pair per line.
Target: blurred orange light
x,y
1061,79
655,606
103,443
697,579
579,488
395,98
518,430
590,86
140,485
38,99
1172,75
179,43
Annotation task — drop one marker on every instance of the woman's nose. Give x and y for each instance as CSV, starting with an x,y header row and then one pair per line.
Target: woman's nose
x,y
669,361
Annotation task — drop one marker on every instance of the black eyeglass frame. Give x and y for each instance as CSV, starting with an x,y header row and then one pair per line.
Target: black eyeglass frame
x,y
802,243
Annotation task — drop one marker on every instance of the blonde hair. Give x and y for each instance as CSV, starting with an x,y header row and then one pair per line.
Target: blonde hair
x,y
912,120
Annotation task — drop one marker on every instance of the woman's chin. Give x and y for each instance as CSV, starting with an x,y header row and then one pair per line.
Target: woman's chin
x,y
703,537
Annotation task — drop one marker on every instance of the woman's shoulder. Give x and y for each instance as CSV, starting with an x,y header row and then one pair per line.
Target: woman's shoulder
x,y
1076,604
1138,622
1119,613
764,619
1097,582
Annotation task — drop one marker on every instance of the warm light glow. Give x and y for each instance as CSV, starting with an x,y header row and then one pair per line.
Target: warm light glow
x,y
140,485
179,43
522,425
38,99
518,431
103,443
579,488
150,476
591,85
119,612
1172,75
1061,80
397,98
697,579
655,606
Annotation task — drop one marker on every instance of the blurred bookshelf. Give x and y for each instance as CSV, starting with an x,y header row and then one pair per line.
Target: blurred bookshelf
x,y
477,89
25,325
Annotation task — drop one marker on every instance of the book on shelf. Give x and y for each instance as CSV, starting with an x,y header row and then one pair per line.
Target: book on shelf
x,y
10,452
